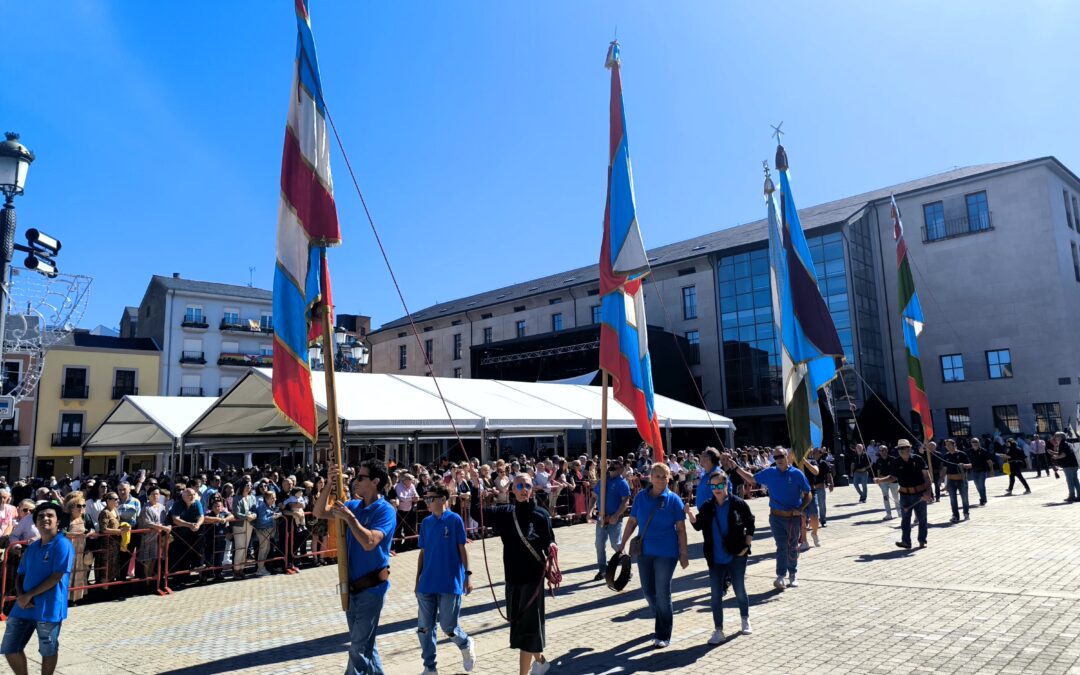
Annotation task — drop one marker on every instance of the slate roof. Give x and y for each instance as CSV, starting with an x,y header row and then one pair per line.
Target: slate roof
x,y
81,339
812,217
131,312
211,288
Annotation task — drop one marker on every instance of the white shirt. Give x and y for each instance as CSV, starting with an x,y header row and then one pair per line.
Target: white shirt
x,y
542,479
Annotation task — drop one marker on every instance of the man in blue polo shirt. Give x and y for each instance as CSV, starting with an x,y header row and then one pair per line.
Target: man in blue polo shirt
x,y
789,495
371,521
609,521
709,461
442,576
41,589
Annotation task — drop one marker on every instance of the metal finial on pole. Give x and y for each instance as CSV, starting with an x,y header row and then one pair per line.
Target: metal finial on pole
x,y
612,60
776,131
769,187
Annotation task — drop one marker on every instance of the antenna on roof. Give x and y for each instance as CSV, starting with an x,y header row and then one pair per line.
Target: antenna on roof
x,y
251,277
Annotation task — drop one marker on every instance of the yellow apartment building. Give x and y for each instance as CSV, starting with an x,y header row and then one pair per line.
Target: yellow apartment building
x,y
81,381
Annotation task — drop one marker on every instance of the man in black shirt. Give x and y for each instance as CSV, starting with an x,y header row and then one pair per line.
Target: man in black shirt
x,y
956,465
883,466
1061,454
916,492
860,471
982,465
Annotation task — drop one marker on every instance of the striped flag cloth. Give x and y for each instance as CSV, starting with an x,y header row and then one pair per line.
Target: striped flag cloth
x,y
307,224
809,345
624,341
911,320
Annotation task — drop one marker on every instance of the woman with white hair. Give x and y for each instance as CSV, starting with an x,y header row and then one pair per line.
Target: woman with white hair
x,y
8,513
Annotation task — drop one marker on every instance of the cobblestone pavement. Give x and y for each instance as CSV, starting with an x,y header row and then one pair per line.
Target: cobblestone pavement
x,y
996,594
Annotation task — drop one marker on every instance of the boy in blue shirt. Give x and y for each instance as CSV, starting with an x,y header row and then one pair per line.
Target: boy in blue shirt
x,y
442,576
371,522
41,588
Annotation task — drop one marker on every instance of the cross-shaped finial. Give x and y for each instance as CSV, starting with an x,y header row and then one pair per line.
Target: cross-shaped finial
x,y
765,167
776,131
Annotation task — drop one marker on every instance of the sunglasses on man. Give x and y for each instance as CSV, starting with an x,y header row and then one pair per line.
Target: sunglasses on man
x,y
522,486
718,487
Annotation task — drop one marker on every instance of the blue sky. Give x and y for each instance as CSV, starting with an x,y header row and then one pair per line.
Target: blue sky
x,y
479,129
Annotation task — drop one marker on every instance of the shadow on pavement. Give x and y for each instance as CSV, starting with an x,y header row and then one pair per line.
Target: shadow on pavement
x,y
885,555
656,660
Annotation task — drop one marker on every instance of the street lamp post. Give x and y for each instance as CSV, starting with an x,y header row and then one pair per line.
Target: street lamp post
x,y
15,161
350,355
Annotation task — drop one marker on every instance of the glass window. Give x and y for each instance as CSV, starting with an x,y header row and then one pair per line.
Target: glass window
x,y
487,335
958,421
689,302
1076,213
595,314
952,368
1076,260
231,316
978,212
1048,418
934,215
999,364
693,339
556,322
1007,419
266,321
457,373
520,329
193,314
457,346
266,350
429,350
403,357
1068,211
12,376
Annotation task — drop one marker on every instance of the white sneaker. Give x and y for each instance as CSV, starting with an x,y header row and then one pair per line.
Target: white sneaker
x,y
779,583
792,582
660,644
817,542
717,636
468,657
540,668
746,629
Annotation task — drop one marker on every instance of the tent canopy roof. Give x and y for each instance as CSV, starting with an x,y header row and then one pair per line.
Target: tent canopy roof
x,y
148,421
373,404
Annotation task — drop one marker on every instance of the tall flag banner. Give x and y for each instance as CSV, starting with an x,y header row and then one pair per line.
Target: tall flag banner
x,y
810,349
911,319
307,224
624,341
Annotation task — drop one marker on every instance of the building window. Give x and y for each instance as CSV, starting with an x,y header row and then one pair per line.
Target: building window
x,y
934,215
1068,211
1048,418
978,212
596,315
12,376
952,368
124,383
457,346
230,347
1076,260
1076,213
402,357
689,302
554,301
519,308
429,349
593,291
485,315
71,430
266,321
520,327
693,340
266,350
231,316
1007,419
193,314
75,384
191,385
958,421
556,322
457,373
488,335
999,364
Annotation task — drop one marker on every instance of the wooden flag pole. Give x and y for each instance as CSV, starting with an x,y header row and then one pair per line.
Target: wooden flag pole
x,y
335,446
602,466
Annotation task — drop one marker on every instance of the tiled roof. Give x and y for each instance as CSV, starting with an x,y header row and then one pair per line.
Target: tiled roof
x,y
81,339
812,217
212,288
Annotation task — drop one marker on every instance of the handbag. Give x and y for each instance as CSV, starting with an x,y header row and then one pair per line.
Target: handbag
x,y
637,544
552,573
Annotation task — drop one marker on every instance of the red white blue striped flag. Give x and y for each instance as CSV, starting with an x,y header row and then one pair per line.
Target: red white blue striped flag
x,y
307,224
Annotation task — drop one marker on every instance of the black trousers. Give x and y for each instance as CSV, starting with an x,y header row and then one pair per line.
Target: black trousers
x,y
1017,475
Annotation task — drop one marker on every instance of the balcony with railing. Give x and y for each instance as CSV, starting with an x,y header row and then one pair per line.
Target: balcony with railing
x,y
74,391
193,358
191,391
194,322
241,326
9,437
950,228
120,391
245,361
67,439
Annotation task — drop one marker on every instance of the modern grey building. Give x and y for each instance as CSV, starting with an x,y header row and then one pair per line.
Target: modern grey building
x,y
209,333
994,250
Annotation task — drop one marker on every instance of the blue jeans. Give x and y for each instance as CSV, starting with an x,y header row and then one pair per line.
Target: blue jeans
x,y
656,576
819,499
736,569
19,631
859,479
908,504
447,607
785,532
1072,481
363,617
954,486
607,534
980,484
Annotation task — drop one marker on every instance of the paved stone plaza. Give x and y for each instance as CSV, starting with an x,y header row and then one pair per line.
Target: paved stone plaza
x,y
997,594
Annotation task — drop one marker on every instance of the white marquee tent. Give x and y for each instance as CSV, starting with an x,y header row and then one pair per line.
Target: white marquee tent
x,y
146,425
